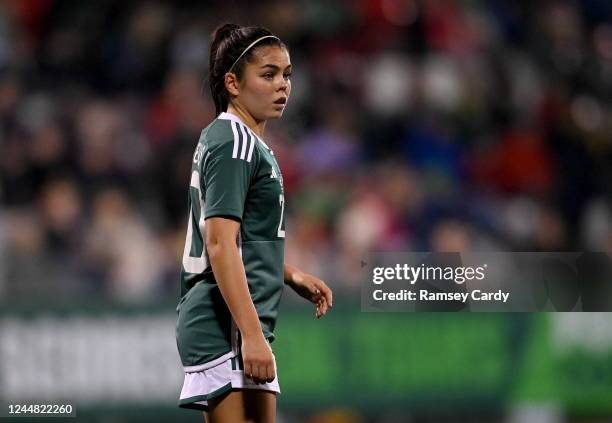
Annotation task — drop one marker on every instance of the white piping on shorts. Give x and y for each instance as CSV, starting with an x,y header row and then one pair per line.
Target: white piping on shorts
x,y
215,362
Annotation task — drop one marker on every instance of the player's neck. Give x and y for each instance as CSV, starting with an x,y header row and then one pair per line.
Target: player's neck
x,y
256,126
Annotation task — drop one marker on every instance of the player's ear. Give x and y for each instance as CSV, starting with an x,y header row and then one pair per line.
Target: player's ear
x,y
231,83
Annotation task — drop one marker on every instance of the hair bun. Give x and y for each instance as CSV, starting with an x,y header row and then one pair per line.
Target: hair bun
x,y
223,31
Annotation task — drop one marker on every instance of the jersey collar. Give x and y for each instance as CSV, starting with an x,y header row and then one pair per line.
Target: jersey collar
x,y
231,116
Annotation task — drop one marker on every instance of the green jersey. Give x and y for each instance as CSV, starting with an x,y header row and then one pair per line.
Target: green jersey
x,y
234,174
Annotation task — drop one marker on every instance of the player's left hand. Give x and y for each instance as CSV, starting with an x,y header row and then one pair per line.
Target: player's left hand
x,y
314,290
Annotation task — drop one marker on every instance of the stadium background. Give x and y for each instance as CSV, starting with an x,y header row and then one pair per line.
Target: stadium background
x,y
413,125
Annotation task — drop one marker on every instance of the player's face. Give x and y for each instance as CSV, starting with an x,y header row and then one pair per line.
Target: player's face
x,y
266,84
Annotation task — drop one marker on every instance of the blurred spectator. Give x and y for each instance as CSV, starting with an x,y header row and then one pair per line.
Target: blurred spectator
x,y
122,249
450,236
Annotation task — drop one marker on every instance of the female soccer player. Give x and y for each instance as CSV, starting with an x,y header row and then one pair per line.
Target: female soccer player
x,y
233,264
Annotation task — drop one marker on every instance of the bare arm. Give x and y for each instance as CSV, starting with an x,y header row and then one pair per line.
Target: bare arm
x,y
229,273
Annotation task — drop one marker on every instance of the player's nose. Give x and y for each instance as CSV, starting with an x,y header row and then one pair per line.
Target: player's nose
x,y
283,85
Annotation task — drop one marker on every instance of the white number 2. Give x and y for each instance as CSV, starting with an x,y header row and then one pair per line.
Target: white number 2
x,y
281,199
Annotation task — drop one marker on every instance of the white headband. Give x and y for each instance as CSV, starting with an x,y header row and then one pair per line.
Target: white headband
x,y
249,47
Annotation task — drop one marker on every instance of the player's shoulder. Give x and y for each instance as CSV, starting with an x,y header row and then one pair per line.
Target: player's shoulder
x,y
217,134
228,134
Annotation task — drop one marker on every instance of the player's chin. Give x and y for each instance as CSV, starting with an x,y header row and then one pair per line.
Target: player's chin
x,y
276,112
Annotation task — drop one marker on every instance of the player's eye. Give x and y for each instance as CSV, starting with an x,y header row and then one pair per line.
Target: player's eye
x,y
287,76
268,75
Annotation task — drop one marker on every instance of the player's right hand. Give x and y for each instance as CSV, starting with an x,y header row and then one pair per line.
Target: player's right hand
x,y
258,359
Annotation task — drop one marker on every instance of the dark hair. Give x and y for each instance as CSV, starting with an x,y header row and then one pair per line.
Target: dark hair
x,y
228,43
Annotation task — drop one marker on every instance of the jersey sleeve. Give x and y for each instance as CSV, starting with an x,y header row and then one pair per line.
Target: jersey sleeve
x,y
226,178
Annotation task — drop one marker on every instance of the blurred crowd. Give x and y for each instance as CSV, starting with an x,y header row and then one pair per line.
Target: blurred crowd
x,y
413,125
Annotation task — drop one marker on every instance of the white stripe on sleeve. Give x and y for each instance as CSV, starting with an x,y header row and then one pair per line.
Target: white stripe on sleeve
x,y
244,143
251,146
236,140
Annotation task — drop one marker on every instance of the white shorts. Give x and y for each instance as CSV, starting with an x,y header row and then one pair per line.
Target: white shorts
x,y
214,379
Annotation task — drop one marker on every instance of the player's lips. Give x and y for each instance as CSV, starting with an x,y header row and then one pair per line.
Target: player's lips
x,y
282,100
